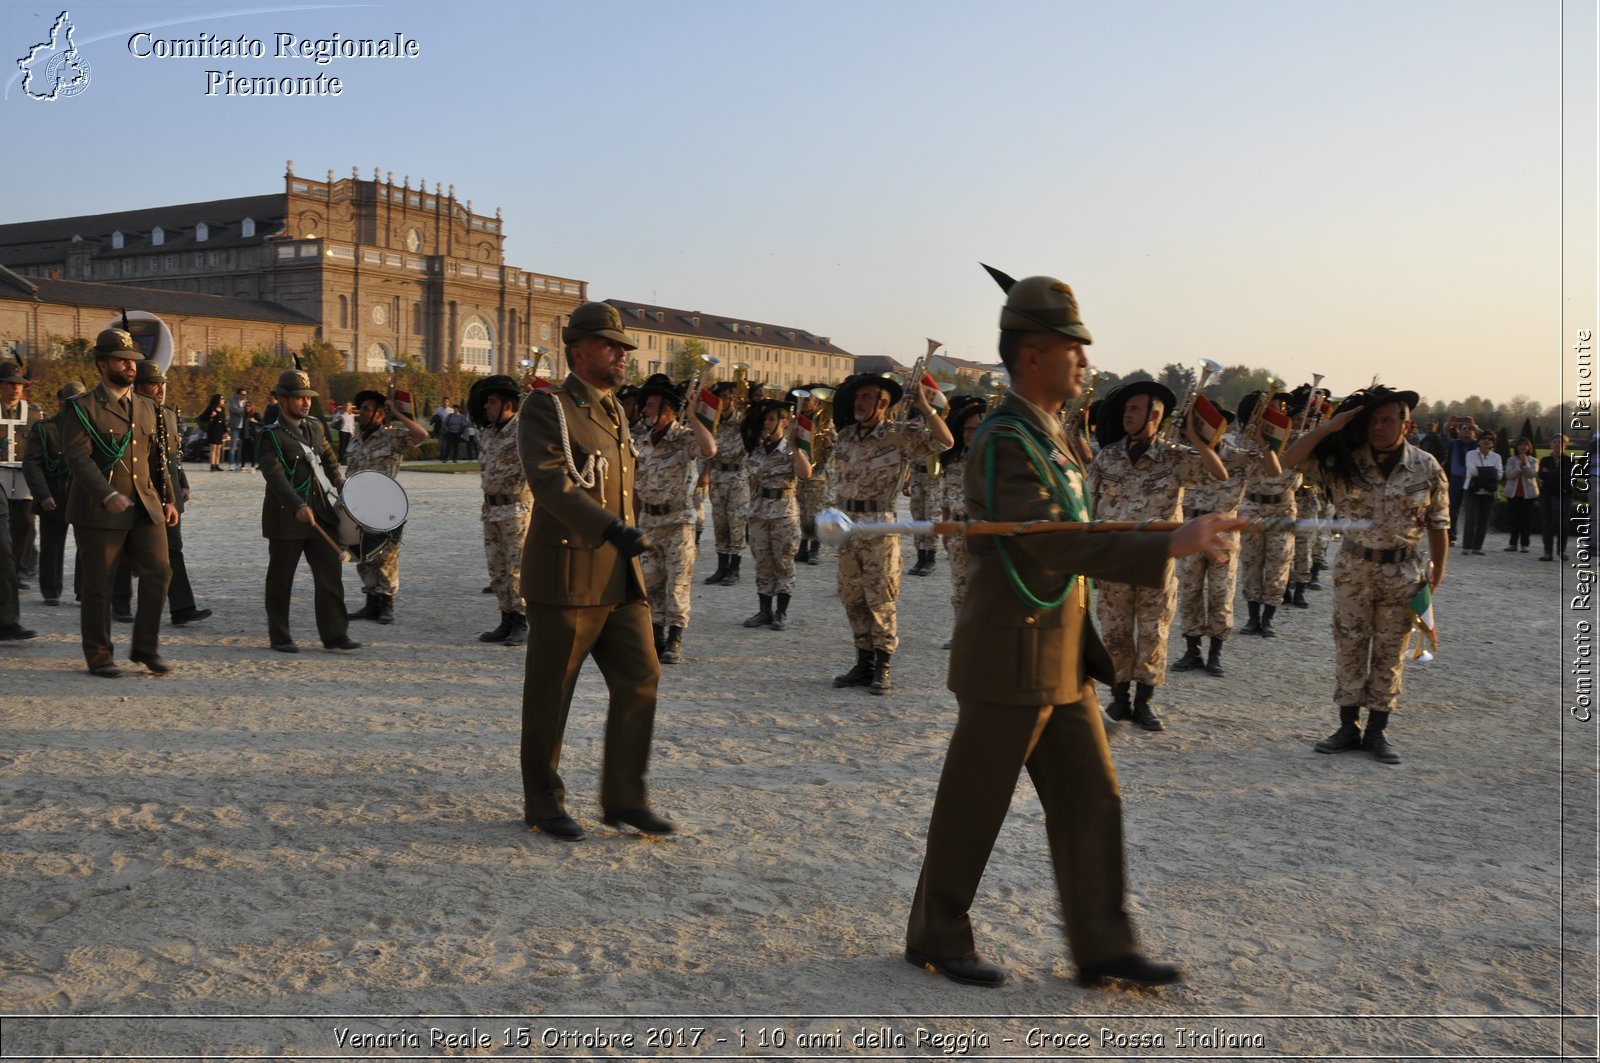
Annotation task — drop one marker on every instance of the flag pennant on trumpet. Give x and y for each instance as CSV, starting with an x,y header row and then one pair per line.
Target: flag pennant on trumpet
x,y
1208,421
1275,428
937,398
1422,617
707,409
802,432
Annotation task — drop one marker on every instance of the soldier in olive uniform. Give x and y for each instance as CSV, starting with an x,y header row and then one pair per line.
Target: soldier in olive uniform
x,y
869,458
582,581
112,442
730,491
151,382
507,501
1028,603
383,437
50,481
17,418
1360,456
1137,476
302,472
776,463
669,453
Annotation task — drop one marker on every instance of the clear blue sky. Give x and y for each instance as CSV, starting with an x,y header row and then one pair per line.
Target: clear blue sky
x,y
1352,188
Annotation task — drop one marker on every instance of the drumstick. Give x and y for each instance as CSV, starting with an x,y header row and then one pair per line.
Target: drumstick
x,y
328,539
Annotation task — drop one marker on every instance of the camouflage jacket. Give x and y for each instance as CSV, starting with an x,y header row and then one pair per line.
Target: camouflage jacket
x,y
1150,489
667,472
952,492
866,467
381,450
728,465
1402,508
772,474
502,474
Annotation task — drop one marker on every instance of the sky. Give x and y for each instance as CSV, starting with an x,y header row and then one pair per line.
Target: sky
x,y
1355,189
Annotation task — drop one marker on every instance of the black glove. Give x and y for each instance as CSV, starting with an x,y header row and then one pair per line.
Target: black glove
x,y
629,541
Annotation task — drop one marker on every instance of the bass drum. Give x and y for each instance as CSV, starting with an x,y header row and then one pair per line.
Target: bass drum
x,y
372,509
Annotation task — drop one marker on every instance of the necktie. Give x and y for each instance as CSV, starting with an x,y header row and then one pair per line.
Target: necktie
x,y
609,405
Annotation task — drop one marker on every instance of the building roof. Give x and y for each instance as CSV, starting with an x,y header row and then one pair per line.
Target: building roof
x,y
155,300
714,327
28,243
879,363
964,363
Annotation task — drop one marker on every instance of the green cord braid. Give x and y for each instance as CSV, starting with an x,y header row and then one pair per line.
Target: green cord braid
x,y
104,447
55,469
1061,491
303,488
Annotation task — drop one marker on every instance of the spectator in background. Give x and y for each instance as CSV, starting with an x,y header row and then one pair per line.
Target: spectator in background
x,y
1521,488
270,414
213,421
344,423
1480,487
455,426
236,407
1463,435
1555,486
251,435
437,419
1434,442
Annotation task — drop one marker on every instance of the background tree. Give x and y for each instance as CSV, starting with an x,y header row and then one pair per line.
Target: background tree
x,y
687,360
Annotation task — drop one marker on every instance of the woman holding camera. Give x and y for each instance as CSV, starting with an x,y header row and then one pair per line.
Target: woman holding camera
x,y
1480,487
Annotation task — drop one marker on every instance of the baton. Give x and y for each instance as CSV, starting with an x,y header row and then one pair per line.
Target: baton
x,y
834,528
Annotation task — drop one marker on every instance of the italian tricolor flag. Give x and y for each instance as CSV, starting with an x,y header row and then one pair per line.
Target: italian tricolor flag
x,y
937,400
1208,421
1275,428
802,432
1422,616
708,409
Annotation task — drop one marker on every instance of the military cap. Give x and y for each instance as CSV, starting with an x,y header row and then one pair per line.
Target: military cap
x,y
1108,423
71,390
149,373
596,319
118,342
1039,304
294,383
12,373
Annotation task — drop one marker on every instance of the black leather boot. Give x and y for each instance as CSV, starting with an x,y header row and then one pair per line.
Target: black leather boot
x,y
803,555
930,562
1299,599
816,553
882,674
1373,741
722,570
498,634
1253,625
1288,593
659,635
368,611
672,652
1143,714
385,609
1191,656
1120,708
780,614
1347,737
860,675
519,630
732,575
1267,613
1315,584
1214,658
763,616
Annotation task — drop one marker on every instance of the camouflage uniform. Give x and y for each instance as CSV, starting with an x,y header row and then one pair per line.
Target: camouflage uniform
x,y
866,479
1372,596
1264,556
1205,588
953,501
1308,501
730,495
665,484
774,517
925,494
380,450
507,508
1135,620
812,494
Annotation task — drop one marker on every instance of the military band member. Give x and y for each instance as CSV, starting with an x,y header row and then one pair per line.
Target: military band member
x,y
300,468
583,584
11,629
1360,456
922,489
1265,556
812,494
507,501
1028,603
1137,476
669,454
869,456
151,382
730,492
17,418
383,437
964,420
113,450
50,481
776,465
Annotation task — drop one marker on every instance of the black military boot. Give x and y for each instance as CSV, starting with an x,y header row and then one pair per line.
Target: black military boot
x,y
780,614
1267,613
802,556
732,575
1143,714
385,609
882,674
1347,737
816,553
1253,625
1288,594
368,611
519,630
1214,658
1299,600
1191,656
722,570
763,616
860,675
931,561
1315,584
498,634
1373,741
1120,709
672,651
660,637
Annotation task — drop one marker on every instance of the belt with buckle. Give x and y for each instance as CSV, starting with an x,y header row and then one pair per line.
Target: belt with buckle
x,y
728,466
776,492
867,505
1387,557
505,500
662,510
1265,500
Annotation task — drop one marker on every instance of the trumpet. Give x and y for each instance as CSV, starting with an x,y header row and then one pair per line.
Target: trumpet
x,y
692,399
1311,400
741,383
821,420
914,380
1074,409
1169,431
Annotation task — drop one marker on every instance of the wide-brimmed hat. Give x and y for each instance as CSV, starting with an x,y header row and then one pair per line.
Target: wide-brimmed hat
x,y
482,388
1368,399
844,396
1108,422
71,390
661,385
755,418
148,372
959,416
377,397
12,373
294,383
1039,304
596,319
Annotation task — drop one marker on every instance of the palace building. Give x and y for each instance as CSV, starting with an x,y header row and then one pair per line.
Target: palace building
x,y
381,270
775,354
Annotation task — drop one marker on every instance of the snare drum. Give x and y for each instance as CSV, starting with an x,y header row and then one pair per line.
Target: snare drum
x,y
371,505
16,484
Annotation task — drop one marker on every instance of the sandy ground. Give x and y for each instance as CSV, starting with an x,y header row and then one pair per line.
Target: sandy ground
x,y
240,858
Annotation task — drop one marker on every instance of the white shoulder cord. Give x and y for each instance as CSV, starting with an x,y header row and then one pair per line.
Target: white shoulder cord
x,y
593,470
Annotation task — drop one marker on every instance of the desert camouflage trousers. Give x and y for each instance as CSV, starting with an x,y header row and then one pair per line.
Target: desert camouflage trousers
x,y
504,529
730,501
1134,622
1264,559
813,497
1311,546
869,584
956,547
668,572
773,544
1371,619
1205,595
382,574
924,505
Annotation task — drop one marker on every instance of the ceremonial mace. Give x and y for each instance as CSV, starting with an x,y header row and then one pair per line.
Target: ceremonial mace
x,y
834,528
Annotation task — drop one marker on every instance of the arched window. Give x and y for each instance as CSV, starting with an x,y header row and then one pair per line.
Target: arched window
x,y
377,357
247,227
477,346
